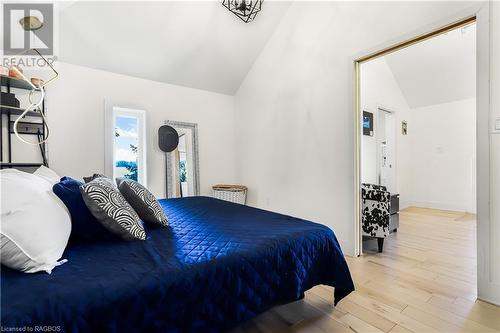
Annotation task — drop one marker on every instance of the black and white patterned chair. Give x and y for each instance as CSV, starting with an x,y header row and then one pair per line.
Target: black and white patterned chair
x,y
375,212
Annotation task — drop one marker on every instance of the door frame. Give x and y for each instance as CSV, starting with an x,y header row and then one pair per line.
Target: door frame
x,y
480,14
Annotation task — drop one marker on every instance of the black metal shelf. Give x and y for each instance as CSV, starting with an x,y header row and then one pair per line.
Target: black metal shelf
x,y
10,82
26,127
20,165
15,111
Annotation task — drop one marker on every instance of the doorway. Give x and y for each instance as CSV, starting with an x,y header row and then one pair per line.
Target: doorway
x,y
409,156
386,149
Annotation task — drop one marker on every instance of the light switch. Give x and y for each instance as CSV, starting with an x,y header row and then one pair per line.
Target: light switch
x,y
497,124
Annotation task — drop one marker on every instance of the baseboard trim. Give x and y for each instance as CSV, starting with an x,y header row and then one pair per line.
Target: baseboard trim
x,y
489,301
440,206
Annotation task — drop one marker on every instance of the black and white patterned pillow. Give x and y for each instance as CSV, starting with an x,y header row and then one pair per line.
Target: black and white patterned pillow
x,y
143,201
94,176
111,209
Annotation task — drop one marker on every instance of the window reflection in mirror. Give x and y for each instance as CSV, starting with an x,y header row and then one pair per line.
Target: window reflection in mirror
x,y
183,156
183,180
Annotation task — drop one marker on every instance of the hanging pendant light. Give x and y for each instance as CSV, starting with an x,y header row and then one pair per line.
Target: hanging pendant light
x,y
246,10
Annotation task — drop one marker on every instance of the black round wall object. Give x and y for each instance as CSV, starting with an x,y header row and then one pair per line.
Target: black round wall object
x,y
168,138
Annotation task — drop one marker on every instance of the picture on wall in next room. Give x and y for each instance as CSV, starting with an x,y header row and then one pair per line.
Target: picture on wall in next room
x,y
367,123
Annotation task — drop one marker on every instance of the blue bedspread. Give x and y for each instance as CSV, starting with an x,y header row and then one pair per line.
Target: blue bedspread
x,y
218,265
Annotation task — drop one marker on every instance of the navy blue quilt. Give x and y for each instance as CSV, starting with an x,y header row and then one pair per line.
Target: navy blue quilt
x,y
219,264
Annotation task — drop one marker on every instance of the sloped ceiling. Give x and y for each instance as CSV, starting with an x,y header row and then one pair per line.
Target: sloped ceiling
x,y
439,70
197,44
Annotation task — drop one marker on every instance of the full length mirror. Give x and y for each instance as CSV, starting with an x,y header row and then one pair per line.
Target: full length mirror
x,y
183,163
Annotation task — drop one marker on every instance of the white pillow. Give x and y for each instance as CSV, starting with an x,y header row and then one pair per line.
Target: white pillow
x,y
48,174
35,224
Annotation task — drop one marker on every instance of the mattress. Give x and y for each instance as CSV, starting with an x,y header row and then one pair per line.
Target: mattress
x,y
219,264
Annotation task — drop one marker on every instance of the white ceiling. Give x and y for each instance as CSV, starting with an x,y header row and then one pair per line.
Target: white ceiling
x,y
198,44
439,70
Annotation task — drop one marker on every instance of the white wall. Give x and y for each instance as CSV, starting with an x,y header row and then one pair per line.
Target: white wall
x,y
76,116
443,156
435,162
379,88
294,110
451,59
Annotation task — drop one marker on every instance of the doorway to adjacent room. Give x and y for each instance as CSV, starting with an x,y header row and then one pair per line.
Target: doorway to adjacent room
x,y
416,120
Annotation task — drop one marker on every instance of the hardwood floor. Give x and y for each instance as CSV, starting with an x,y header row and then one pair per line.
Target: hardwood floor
x,y
424,281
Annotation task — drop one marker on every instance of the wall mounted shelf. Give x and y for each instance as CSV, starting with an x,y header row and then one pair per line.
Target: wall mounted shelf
x,y
26,127
20,165
15,111
10,82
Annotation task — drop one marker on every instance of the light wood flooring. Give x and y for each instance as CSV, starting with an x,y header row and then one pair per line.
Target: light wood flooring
x,y
424,281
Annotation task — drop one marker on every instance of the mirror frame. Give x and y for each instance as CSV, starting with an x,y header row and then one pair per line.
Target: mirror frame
x,y
196,160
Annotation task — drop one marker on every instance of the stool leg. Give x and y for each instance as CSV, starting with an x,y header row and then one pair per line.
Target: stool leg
x,y
380,244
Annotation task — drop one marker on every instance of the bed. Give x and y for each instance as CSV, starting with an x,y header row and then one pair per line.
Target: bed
x,y
219,264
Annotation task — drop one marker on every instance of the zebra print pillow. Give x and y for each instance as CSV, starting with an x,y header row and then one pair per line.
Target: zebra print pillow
x,y
143,201
94,176
112,210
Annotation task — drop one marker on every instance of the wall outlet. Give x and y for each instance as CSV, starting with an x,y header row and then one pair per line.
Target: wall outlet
x,y
497,124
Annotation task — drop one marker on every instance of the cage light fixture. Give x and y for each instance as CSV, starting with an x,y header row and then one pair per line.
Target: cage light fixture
x,y
246,10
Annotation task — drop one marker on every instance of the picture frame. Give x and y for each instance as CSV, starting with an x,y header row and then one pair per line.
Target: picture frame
x,y
404,127
367,123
